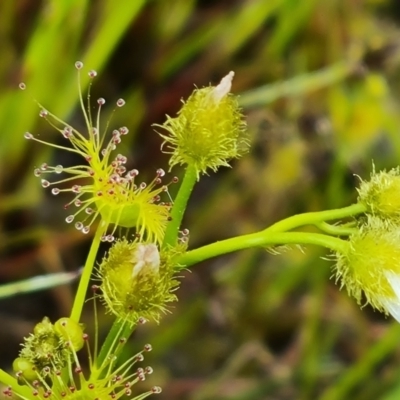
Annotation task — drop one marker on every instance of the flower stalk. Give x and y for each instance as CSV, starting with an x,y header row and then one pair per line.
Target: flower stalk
x,y
264,239
277,234
179,207
86,274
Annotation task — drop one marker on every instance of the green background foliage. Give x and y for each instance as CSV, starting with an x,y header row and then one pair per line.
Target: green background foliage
x,y
319,85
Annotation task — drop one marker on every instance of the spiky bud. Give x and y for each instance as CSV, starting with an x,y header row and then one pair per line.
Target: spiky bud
x,y
381,194
48,346
371,265
209,130
137,282
104,378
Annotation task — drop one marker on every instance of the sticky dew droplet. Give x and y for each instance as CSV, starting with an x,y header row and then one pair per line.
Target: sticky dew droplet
x,y
148,347
156,390
160,172
148,370
123,130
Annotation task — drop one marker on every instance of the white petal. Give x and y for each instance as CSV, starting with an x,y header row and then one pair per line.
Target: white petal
x,y
224,87
394,280
393,307
146,256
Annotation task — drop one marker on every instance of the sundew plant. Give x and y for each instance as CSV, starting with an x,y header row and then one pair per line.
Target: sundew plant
x,y
139,276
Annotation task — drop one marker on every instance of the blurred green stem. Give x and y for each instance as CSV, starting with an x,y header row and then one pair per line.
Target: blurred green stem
x,y
178,209
362,370
298,85
86,274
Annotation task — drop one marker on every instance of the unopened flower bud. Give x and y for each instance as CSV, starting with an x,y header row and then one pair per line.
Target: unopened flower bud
x,y
371,265
137,282
381,194
44,348
209,130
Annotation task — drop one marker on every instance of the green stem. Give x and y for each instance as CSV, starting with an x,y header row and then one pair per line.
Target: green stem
x,y
119,329
259,239
312,218
86,275
23,391
275,235
338,230
179,207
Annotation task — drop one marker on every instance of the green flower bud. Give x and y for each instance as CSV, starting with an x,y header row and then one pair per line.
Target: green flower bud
x,y
49,346
371,265
381,194
136,281
43,346
106,378
71,332
209,130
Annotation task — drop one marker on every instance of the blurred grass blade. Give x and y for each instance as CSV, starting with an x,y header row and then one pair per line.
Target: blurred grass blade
x,y
37,283
226,33
360,372
298,85
51,81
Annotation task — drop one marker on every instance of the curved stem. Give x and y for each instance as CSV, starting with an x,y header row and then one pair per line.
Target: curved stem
x,y
179,207
260,239
338,230
86,274
277,234
312,218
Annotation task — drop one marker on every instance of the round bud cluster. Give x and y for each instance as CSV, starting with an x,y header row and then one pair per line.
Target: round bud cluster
x,y
107,378
49,346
